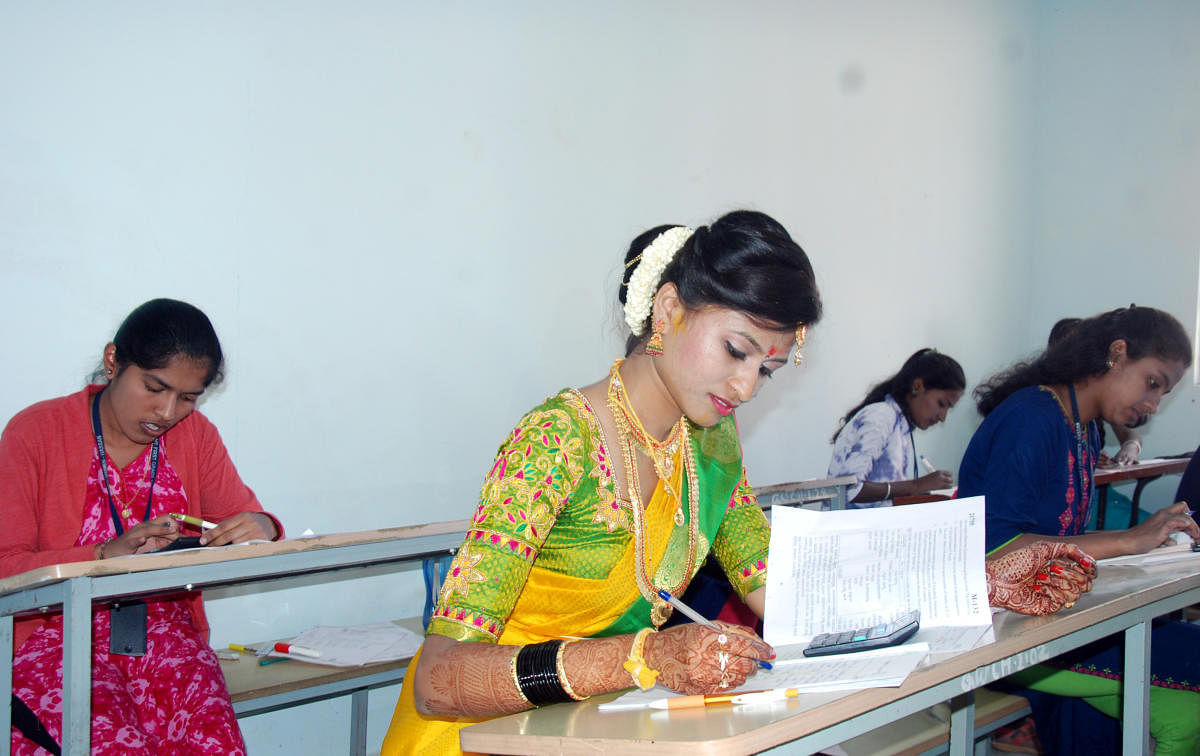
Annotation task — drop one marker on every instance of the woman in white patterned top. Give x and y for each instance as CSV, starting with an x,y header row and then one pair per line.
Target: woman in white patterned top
x,y
875,443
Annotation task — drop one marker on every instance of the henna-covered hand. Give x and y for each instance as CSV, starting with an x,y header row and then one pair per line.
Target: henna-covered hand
x,y
692,658
1041,578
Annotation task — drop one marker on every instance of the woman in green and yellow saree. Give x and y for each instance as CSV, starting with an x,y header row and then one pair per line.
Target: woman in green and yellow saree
x,y
604,495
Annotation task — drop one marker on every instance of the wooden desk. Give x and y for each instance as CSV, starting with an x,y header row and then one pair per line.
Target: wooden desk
x,y
1143,473
255,689
76,586
1125,599
806,492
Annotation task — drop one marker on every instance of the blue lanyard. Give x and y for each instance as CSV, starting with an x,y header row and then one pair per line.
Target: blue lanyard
x,y
916,471
1078,442
112,508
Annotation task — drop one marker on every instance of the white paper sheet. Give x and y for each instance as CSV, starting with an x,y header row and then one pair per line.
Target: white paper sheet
x,y
881,668
359,644
845,570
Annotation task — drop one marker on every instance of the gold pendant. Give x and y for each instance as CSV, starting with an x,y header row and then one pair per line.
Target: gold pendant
x,y
126,512
679,515
660,612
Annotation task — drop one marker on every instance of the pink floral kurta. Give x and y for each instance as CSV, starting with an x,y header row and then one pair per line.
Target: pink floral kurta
x,y
173,700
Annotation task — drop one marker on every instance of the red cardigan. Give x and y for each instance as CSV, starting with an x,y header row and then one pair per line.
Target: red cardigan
x,y
45,454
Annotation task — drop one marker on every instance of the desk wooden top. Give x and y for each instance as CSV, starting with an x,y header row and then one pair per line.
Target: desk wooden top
x,y
581,728
146,562
1115,474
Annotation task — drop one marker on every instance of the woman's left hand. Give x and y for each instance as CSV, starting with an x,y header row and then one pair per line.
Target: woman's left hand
x,y
242,527
1040,579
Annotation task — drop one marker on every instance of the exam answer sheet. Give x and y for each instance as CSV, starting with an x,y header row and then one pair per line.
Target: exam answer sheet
x,y
845,570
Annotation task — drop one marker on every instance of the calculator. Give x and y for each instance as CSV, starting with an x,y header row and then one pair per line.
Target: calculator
x,y
879,636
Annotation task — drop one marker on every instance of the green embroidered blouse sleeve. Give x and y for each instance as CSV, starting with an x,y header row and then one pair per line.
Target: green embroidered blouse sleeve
x,y
534,474
742,540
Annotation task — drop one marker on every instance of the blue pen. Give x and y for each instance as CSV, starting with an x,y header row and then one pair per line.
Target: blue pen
x,y
698,618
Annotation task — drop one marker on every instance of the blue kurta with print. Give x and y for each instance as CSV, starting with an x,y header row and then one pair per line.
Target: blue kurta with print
x,y
1023,460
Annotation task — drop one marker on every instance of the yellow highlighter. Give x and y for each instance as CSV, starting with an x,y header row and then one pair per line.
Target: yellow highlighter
x,y
190,520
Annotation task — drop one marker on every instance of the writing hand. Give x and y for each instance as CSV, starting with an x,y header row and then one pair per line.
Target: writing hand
x,y
242,527
691,658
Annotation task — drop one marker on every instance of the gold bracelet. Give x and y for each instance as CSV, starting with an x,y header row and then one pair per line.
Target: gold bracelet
x,y
635,665
512,667
562,674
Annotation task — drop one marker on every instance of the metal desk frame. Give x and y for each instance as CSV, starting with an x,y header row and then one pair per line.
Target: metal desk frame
x,y
270,565
1127,604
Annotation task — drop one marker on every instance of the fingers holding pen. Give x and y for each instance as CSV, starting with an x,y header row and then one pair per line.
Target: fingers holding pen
x,y
693,658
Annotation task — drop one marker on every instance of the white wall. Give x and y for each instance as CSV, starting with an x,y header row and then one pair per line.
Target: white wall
x,y
406,220
1116,179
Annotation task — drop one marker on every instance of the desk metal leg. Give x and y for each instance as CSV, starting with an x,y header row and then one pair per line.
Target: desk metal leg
x,y
1136,703
358,723
6,643
77,667
962,724
1135,505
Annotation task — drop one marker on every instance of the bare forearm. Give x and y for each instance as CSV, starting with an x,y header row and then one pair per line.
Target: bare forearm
x,y
464,679
1099,544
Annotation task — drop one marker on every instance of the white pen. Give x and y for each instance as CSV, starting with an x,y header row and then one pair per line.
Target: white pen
x,y
928,465
698,618
190,520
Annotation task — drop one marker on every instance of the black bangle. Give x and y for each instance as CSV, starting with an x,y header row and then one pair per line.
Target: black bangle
x,y
537,673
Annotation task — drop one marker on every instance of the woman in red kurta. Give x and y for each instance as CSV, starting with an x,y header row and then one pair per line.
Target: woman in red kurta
x,y
94,475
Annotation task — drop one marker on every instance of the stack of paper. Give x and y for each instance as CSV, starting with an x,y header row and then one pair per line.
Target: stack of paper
x,y
845,570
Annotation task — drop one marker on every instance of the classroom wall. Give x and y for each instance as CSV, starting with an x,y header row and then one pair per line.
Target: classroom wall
x,y
1116,177
407,220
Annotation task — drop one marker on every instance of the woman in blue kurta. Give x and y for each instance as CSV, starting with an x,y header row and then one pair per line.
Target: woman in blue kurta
x,y
875,442
1033,458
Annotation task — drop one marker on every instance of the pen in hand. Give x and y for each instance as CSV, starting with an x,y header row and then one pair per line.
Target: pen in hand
x,y
698,618
191,520
928,465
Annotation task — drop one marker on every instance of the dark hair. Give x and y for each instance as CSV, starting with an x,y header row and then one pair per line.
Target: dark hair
x,y
1061,329
745,261
1084,352
162,329
936,371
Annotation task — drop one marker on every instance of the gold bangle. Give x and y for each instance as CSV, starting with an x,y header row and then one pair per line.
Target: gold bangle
x,y
512,667
562,674
643,677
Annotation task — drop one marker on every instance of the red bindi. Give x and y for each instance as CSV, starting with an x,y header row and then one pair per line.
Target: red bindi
x,y
771,352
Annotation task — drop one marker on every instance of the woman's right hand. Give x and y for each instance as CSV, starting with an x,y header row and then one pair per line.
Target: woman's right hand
x,y
933,481
150,535
1158,527
691,658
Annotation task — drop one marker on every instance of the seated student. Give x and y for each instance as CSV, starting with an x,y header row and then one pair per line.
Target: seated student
x,y
1130,440
1033,457
604,495
875,441
94,475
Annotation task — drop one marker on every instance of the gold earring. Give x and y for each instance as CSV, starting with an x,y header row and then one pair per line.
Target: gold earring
x,y
654,347
801,335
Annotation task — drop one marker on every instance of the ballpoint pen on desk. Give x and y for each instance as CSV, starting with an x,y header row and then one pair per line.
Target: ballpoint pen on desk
x,y
191,520
695,702
746,697
698,618
764,696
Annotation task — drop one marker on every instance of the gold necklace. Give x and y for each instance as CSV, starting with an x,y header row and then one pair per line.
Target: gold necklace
x,y
626,421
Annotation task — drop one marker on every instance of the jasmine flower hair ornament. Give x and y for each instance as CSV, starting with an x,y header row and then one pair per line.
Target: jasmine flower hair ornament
x,y
643,282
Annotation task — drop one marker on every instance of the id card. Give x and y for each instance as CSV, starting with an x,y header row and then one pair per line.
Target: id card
x,y
128,633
